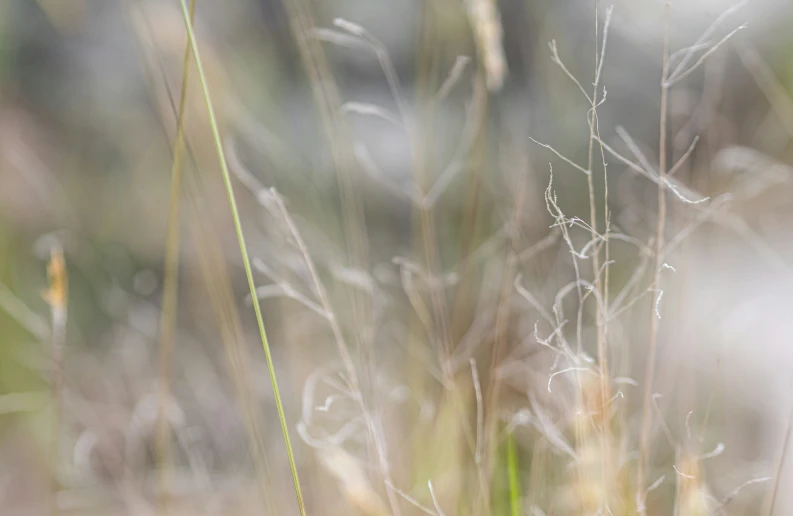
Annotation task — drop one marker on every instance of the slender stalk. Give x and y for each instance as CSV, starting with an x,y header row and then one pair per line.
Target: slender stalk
x,y
593,208
604,387
169,296
515,508
644,445
57,296
600,321
243,251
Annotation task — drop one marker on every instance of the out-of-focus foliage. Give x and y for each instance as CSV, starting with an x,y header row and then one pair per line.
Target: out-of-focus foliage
x,y
412,223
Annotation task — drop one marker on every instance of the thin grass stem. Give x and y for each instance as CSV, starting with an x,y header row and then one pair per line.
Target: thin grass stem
x,y
644,444
170,295
243,251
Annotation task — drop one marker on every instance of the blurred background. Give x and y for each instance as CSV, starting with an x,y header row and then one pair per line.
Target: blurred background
x,y
366,116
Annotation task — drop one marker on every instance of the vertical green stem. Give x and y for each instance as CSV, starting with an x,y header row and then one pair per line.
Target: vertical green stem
x,y
243,250
514,477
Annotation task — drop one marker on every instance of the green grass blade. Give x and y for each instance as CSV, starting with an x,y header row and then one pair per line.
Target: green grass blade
x,y
514,477
243,249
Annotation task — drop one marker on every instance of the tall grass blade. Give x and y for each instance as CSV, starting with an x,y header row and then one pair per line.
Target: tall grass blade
x,y
243,249
515,508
